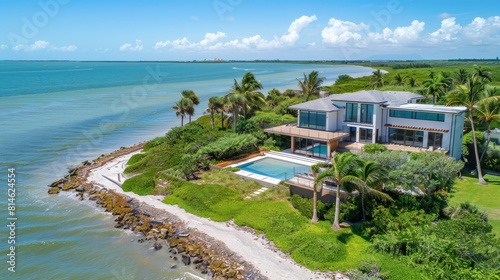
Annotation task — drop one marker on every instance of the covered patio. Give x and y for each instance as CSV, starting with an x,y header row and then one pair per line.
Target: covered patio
x,y
310,142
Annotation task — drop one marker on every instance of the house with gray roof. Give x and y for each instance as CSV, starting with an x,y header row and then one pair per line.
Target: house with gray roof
x,y
371,116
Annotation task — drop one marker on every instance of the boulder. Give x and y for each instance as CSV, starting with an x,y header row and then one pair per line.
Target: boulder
x,y
54,190
186,259
157,246
80,189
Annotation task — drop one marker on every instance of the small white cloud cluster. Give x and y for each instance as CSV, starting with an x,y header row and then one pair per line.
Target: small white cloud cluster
x,y
479,31
128,47
212,41
41,45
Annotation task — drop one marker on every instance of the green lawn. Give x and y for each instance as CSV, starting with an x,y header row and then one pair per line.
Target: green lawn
x,y
486,197
218,195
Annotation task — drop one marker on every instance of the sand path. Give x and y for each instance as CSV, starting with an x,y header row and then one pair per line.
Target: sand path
x,y
254,249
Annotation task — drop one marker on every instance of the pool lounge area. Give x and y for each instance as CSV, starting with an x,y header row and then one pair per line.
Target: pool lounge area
x,y
274,167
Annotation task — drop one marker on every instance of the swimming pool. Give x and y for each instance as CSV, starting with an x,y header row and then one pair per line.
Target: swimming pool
x,y
275,168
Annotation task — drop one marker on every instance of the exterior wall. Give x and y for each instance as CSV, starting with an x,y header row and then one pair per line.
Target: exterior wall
x,y
298,118
331,121
456,150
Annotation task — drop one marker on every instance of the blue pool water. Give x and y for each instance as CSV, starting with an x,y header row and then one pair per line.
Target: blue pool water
x,y
275,168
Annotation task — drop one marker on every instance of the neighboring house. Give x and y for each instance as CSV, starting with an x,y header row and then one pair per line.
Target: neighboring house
x,y
374,117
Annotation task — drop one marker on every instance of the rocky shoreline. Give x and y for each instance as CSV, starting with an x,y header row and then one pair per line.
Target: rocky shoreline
x,y
162,229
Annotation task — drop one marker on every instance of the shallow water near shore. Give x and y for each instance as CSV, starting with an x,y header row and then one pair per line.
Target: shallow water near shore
x,y
55,115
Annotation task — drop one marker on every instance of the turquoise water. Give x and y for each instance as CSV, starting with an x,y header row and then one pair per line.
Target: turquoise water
x,y
275,168
54,115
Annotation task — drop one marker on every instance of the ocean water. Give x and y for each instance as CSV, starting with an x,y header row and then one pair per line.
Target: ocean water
x,y
54,115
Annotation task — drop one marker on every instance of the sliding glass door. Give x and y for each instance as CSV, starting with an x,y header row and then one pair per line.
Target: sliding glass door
x,y
310,147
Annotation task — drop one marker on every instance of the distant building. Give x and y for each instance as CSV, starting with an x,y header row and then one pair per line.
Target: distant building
x,y
214,59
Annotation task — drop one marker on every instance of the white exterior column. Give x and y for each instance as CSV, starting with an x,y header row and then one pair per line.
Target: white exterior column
x,y
374,135
426,138
357,134
358,117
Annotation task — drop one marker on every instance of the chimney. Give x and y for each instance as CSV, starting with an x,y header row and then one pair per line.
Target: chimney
x,y
323,94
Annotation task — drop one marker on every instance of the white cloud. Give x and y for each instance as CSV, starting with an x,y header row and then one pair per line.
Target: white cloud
x,y
69,48
482,30
342,33
404,35
3,47
448,31
128,47
444,15
43,45
212,41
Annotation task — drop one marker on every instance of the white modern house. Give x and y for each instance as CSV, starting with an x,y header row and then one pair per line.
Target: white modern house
x,y
373,116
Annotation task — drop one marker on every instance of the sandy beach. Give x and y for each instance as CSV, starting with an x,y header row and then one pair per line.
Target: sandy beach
x,y
254,249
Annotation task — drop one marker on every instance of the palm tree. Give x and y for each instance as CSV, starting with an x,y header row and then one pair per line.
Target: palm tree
x,y
488,111
468,95
462,76
182,108
311,83
483,73
400,80
371,175
435,86
342,173
234,101
215,105
194,99
448,81
377,79
248,88
412,82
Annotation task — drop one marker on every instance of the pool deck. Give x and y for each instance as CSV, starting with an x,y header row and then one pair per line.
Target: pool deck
x,y
276,155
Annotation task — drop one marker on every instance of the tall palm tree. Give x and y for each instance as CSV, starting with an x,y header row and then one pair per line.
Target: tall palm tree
x,y
468,95
311,83
400,80
182,108
462,76
488,111
435,86
342,173
234,101
191,95
448,81
249,87
377,79
194,99
483,73
412,82
215,105
371,175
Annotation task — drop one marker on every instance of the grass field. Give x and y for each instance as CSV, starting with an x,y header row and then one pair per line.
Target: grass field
x,y
219,195
486,197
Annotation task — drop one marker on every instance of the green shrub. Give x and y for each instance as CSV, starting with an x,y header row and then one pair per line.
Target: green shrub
x,y
374,148
431,204
305,206
391,219
272,148
229,146
232,169
141,184
136,158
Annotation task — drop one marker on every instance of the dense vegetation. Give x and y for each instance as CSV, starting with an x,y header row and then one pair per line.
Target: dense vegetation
x,y
409,221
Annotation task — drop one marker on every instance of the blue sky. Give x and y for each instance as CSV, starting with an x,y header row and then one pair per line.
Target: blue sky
x,y
244,29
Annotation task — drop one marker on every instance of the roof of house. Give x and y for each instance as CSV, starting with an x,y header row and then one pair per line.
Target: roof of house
x,y
317,105
326,104
393,98
430,108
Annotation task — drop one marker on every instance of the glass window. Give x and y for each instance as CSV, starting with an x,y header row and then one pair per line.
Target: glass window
x,y
351,112
312,120
406,137
435,140
304,119
321,121
365,135
417,115
366,113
